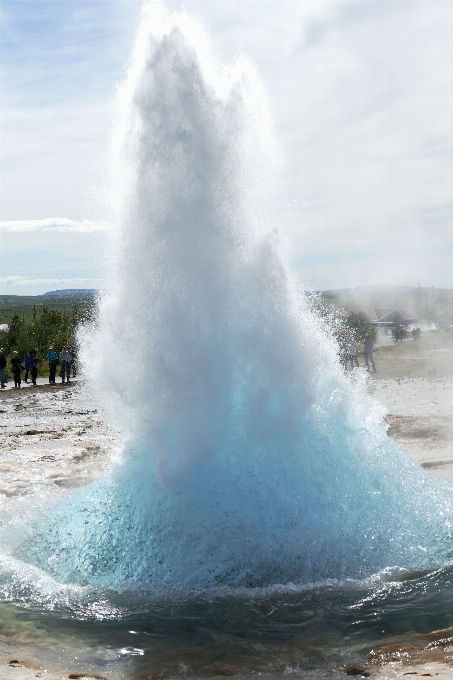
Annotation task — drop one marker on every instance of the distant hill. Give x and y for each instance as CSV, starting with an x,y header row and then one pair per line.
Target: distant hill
x,y
73,292
53,300
369,290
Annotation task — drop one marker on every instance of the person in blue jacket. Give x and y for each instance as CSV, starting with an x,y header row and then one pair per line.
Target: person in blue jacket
x,y
52,358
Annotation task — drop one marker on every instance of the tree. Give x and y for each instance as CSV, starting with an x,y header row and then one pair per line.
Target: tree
x,y
360,325
50,327
342,325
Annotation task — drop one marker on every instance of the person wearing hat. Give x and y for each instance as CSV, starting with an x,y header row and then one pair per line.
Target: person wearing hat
x,y
52,358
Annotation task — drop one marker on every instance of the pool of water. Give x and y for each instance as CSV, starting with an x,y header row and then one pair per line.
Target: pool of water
x,y
315,631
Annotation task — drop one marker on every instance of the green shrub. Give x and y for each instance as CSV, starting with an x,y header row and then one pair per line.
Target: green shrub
x,y
360,325
50,327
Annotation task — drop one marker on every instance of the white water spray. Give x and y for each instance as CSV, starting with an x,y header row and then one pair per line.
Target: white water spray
x,y
248,459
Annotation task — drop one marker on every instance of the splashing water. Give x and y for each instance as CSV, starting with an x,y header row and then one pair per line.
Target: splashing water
x,y
249,459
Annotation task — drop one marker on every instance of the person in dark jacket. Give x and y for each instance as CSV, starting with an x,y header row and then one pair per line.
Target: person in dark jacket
x,y
368,352
73,354
65,361
27,366
16,367
2,367
33,361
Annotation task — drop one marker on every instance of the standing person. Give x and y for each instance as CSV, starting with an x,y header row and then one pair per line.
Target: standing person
x,y
2,367
73,362
65,361
34,361
353,354
368,352
52,358
342,349
16,367
27,366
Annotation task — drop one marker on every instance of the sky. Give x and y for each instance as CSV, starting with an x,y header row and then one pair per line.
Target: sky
x,y
361,99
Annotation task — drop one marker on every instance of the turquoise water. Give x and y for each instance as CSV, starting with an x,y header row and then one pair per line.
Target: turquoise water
x,y
307,632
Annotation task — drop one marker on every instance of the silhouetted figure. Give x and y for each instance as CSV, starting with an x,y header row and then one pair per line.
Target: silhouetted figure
x,y
73,354
2,367
27,366
368,352
33,363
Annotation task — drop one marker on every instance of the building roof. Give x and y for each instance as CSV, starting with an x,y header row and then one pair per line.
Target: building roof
x,y
391,315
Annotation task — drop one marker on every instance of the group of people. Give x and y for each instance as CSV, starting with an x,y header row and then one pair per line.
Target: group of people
x,y
66,359
352,353
398,333
349,351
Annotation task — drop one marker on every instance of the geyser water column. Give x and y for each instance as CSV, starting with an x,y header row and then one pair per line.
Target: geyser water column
x,y
248,458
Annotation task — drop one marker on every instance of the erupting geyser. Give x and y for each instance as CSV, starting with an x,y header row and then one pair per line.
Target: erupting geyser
x,y
248,458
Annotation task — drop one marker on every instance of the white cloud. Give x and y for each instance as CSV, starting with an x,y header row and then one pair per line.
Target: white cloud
x,y
361,98
364,112
61,224
67,283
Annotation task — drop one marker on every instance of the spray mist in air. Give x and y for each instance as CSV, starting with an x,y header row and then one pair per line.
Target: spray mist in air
x,y
247,458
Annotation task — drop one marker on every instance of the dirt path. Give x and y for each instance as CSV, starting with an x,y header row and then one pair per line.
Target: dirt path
x,y
431,356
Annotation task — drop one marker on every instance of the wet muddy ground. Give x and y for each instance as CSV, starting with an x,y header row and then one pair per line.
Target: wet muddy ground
x,y
50,437
414,381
